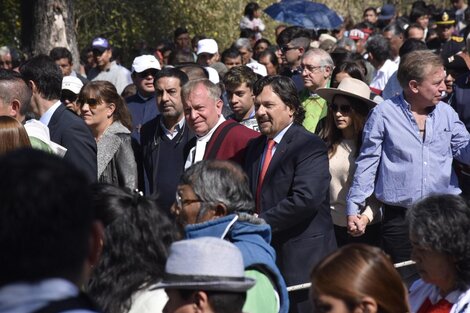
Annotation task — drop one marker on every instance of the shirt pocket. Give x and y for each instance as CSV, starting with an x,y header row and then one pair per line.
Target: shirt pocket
x,y
442,142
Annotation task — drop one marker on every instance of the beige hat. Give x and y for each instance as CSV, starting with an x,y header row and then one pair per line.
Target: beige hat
x,y
349,87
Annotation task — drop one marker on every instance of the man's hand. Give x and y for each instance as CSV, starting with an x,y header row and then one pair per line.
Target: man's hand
x,y
357,225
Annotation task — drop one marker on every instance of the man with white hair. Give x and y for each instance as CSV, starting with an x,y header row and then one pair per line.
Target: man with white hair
x,y
317,66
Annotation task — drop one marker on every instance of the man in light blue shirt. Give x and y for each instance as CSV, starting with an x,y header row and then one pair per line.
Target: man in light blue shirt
x,y
409,142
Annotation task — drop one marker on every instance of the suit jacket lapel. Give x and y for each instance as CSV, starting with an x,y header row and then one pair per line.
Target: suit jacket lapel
x,y
260,144
280,153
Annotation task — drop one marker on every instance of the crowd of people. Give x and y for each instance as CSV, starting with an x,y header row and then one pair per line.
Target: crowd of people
x,y
286,177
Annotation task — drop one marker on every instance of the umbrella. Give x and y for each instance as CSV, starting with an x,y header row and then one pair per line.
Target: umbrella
x,y
308,14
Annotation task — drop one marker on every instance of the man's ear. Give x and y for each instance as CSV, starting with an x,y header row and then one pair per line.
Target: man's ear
x,y
413,84
201,302
220,210
96,243
15,108
33,86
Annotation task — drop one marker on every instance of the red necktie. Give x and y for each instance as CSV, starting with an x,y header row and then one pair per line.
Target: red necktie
x,y
442,306
267,159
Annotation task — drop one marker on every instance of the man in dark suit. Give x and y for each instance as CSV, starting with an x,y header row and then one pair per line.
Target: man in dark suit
x,y
44,78
289,176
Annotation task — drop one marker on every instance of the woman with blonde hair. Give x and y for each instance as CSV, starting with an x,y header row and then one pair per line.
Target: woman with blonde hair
x,y
13,135
105,112
358,278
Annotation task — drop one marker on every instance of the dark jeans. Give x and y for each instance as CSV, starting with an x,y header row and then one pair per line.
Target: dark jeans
x,y
371,237
396,240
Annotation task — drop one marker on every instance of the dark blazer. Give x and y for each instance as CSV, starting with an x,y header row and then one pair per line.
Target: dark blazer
x,y
70,131
295,200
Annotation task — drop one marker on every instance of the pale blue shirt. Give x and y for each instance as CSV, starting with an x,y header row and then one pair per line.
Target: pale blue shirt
x,y
277,139
46,117
396,162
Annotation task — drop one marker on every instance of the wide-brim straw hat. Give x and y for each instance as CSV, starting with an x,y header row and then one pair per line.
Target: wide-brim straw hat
x,y
349,87
205,263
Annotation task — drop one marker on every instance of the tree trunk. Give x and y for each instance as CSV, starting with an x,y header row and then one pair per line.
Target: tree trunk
x,y
53,26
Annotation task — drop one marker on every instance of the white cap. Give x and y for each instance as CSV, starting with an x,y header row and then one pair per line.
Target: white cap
x,y
207,46
144,62
213,75
258,68
72,83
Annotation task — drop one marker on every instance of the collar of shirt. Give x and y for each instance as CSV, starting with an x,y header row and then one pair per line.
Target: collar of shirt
x,y
169,133
281,134
46,117
142,97
407,106
32,296
208,136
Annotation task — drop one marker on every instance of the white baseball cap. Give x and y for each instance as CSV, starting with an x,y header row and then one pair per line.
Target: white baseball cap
x,y
144,62
207,46
258,68
72,83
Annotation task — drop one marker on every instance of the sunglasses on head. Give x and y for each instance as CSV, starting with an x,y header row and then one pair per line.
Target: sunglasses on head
x,y
91,102
344,108
146,73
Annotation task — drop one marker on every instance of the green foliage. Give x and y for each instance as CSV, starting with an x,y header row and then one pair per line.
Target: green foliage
x,y
10,25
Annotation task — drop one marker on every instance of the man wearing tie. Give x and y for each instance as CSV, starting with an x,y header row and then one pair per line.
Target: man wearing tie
x,y
289,176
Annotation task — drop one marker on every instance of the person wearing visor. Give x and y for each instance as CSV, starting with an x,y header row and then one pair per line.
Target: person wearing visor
x,y
71,87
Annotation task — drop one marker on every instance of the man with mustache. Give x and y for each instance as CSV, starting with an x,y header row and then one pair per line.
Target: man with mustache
x,y
164,137
289,177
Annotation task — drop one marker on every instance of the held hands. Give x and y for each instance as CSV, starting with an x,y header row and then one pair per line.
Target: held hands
x,y
357,225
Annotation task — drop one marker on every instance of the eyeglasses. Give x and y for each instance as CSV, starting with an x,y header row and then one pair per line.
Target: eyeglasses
x,y
146,73
68,97
92,103
310,68
284,49
180,203
344,108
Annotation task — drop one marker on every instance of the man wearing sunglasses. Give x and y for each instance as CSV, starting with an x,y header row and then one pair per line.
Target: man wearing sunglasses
x,y
106,68
142,105
71,87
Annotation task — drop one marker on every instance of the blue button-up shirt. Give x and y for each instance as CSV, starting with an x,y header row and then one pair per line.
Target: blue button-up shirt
x,y
401,166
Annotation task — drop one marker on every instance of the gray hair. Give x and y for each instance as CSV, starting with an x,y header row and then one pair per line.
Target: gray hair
x,y
4,51
440,223
12,87
323,57
216,181
213,90
415,65
243,43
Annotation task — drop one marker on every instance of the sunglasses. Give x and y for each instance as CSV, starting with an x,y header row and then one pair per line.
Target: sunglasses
x,y
344,108
70,97
284,49
92,103
97,52
146,73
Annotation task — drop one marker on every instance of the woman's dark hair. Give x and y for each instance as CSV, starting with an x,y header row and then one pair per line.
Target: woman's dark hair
x,y
250,10
441,223
284,88
136,241
105,91
352,68
333,136
368,273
